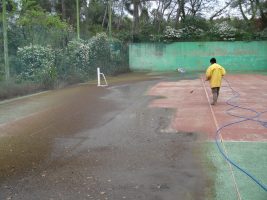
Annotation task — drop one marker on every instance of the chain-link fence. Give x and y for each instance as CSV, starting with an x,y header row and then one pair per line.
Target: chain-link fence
x,y
43,58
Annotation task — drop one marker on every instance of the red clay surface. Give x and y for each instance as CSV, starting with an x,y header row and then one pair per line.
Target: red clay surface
x,y
193,113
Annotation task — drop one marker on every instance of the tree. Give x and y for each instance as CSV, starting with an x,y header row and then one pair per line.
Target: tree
x,y
95,17
135,8
262,5
180,14
6,58
110,18
10,6
47,5
28,5
63,9
78,19
218,12
159,13
252,10
40,27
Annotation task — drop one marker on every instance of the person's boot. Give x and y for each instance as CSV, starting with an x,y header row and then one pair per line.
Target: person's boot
x,y
215,97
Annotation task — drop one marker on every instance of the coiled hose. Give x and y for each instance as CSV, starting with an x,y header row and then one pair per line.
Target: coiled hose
x,y
255,117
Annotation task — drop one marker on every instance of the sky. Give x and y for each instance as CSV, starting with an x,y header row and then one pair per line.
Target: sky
x,y
228,12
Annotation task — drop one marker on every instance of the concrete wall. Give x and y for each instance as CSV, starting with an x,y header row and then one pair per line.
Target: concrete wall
x,y
195,56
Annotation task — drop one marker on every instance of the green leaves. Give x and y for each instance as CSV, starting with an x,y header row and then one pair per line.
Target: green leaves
x,y
10,6
39,17
87,55
37,64
27,5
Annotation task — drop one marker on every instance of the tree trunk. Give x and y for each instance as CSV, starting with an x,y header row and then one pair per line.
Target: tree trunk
x,y
262,14
109,18
78,18
180,12
169,16
121,16
219,12
5,40
104,18
253,9
136,16
241,10
158,17
63,8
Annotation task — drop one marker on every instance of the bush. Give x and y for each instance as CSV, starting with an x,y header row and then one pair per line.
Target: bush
x,y
40,27
85,56
263,34
183,34
223,31
77,56
77,63
99,52
37,65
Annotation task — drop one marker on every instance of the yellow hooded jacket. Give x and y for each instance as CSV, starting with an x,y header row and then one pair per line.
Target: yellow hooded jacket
x,y
214,74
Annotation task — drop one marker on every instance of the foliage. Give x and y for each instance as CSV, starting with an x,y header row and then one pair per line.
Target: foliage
x,y
2,72
218,30
85,56
223,31
263,34
100,51
42,38
37,64
36,17
10,6
39,27
27,5
75,64
184,34
78,55
172,34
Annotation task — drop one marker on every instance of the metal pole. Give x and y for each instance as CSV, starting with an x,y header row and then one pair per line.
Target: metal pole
x,y
98,77
110,15
78,19
5,41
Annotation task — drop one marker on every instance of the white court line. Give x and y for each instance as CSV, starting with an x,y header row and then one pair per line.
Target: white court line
x,y
217,127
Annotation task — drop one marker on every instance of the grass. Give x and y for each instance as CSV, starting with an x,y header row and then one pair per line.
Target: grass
x,y
10,89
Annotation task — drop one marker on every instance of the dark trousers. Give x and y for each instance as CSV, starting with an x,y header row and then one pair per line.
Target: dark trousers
x,y
215,93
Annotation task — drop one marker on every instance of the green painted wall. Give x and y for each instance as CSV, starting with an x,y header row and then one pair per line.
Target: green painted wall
x,y
195,56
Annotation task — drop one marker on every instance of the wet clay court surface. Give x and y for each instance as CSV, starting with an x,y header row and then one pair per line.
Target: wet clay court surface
x,y
86,142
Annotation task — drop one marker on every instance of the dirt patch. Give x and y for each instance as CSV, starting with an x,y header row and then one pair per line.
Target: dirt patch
x,y
28,140
96,143
27,137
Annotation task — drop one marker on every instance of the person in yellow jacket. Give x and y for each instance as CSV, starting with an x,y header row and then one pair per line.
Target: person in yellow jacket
x,y
214,74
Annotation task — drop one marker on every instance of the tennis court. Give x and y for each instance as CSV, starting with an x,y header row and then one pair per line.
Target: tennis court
x,y
243,140
146,136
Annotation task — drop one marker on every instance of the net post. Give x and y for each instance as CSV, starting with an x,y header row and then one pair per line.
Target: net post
x,y
99,74
98,77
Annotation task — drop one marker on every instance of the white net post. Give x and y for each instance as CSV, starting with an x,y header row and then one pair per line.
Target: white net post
x,y
98,77
99,74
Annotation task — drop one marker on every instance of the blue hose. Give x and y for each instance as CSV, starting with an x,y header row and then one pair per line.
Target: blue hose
x,y
255,117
